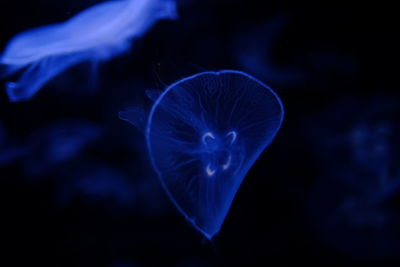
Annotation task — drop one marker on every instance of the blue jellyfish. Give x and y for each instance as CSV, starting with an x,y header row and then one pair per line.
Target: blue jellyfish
x,y
97,184
255,49
203,134
51,147
96,34
59,143
355,203
2,135
9,151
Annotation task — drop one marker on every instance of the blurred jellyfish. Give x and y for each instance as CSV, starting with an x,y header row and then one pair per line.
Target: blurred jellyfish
x,y
50,147
9,151
97,184
96,34
255,49
203,135
2,135
56,144
355,205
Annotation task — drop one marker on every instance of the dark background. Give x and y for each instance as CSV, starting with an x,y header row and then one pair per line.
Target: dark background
x,y
76,186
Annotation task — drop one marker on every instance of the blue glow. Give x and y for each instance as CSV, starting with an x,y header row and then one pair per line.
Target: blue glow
x,y
96,34
2,135
9,152
255,50
203,134
59,143
355,203
97,184
51,146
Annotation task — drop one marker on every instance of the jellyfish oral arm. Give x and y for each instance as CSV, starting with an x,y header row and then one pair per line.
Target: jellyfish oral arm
x,y
38,74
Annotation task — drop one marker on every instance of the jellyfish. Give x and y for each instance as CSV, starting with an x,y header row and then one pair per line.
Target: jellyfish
x,y
58,144
95,183
2,135
51,146
96,34
354,205
9,151
256,49
203,134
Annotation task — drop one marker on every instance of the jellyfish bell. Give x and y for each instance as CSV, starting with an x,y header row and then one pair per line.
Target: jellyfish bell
x,y
203,134
111,23
98,33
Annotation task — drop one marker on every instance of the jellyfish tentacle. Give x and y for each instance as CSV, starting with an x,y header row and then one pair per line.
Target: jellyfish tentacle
x,y
153,94
37,75
136,116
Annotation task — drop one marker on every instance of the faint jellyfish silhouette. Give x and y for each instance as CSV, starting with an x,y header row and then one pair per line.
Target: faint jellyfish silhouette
x,y
9,151
2,135
203,134
256,49
96,34
355,205
95,184
57,144
51,146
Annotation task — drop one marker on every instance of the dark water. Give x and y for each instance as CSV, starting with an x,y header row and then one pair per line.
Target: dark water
x,y
77,188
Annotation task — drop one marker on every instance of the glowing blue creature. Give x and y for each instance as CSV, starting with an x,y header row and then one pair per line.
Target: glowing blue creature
x,y
96,34
203,135
2,135
257,48
51,147
8,150
355,204
58,144
255,51
96,184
